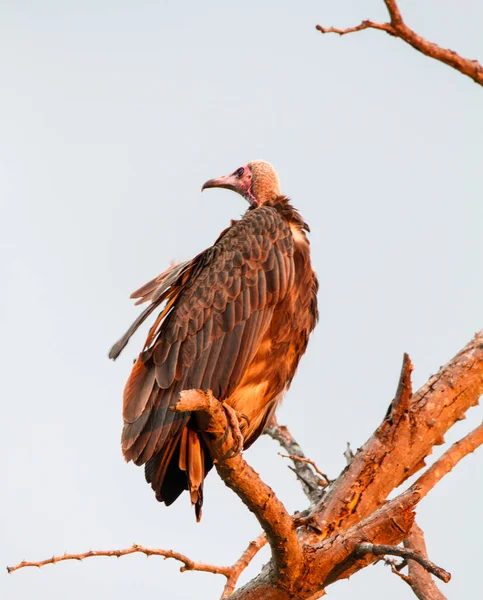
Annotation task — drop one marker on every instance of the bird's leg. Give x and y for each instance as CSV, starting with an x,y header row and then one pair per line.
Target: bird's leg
x,y
233,418
204,404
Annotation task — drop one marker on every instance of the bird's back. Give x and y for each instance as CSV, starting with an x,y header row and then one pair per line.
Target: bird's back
x,y
236,321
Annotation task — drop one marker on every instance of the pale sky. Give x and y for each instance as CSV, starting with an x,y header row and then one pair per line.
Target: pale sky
x,y
112,115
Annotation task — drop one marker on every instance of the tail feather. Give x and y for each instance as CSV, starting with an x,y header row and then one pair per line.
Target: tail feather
x,y
196,470
182,465
164,480
183,450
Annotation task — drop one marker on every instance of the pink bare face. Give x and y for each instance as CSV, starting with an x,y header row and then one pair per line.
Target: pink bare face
x,y
239,181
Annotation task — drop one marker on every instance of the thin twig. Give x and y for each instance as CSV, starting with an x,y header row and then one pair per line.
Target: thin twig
x,y
188,564
348,454
383,550
396,569
398,28
366,24
232,573
323,478
242,563
310,482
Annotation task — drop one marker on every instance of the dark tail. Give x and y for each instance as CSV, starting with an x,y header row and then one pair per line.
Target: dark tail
x,y
182,465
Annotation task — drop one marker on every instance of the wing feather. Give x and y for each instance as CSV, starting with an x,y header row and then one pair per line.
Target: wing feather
x,y
163,423
166,370
206,382
228,356
219,307
137,391
159,284
258,324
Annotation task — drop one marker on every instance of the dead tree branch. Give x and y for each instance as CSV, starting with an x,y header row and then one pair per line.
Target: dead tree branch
x,y
449,459
339,556
348,454
323,478
354,509
398,28
242,563
311,484
408,554
400,509
397,449
419,579
188,564
232,573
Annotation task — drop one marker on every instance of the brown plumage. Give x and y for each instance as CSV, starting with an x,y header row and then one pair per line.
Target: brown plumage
x,y
236,321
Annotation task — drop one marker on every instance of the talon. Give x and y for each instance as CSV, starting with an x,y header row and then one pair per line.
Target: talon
x,y
230,454
233,417
243,416
222,440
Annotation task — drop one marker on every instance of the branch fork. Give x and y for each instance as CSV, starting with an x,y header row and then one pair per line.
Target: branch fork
x,y
397,27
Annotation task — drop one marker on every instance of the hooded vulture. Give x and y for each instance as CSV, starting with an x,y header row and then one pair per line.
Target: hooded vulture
x,y
236,321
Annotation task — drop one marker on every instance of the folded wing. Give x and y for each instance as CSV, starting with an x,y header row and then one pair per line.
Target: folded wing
x,y
218,307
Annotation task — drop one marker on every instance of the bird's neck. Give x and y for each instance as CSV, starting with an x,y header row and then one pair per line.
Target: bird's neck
x,y
288,212
296,223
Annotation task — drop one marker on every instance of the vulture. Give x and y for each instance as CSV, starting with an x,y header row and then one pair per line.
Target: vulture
x,y
236,320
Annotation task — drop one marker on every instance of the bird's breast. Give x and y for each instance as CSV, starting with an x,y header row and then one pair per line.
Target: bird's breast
x,y
271,370
264,382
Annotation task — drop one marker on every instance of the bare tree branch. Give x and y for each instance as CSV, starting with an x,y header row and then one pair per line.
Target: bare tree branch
x,y
393,520
232,573
419,579
338,557
398,28
408,554
344,496
354,509
405,437
348,454
311,484
396,569
188,564
242,563
448,460
323,479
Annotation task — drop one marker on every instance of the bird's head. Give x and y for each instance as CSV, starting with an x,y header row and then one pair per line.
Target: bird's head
x,y
257,182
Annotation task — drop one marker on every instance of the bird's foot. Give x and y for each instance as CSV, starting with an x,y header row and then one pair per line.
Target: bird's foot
x,y
200,401
233,418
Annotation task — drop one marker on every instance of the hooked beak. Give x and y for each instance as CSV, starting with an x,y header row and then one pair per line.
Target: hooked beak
x,y
229,182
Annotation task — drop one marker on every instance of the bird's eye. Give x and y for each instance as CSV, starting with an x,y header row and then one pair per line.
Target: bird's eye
x,y
239,172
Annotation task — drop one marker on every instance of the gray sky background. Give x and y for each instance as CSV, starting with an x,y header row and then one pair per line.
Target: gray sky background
x,y
112,115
